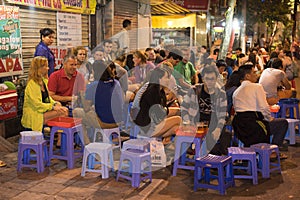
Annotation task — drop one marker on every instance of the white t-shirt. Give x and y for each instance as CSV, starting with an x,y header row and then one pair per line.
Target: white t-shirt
x,y
270,79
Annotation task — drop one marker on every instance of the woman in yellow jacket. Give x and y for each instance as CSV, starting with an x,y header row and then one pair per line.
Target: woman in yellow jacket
x,y
38,106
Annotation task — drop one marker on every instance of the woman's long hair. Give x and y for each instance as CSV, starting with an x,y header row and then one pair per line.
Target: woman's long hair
x,y
141,55
36,64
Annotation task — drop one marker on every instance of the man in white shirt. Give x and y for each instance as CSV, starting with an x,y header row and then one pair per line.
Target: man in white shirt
x,y
273,77
253,122
123,36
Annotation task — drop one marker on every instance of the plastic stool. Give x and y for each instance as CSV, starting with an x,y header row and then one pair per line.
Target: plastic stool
x,y
180,151
107,135
291,103
249,155
212,161
104,150
264,151
67,139
139,163
24,155
140,144
290,134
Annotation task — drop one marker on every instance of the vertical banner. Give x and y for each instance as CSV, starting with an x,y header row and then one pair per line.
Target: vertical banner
x,y
10,42
69,30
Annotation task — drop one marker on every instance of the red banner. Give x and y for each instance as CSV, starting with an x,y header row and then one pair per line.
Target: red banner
x,y
199,5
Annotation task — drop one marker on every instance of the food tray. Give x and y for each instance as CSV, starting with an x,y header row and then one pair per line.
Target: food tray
x,y
66,122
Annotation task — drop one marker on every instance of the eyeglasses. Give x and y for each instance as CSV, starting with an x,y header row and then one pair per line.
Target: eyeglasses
x,y
209,79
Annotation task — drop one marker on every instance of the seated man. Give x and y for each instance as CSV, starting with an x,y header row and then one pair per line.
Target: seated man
x,y
253,123
272,78
207,103
67,82
67,85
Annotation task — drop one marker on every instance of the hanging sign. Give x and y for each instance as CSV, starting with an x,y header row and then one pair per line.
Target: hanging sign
x,y
69,31
76,6
10,42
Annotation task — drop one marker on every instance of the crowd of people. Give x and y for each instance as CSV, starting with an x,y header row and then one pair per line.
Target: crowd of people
x,y
167,87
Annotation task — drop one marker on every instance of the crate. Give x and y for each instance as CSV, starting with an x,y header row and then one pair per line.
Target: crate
x,y
8,104
66,122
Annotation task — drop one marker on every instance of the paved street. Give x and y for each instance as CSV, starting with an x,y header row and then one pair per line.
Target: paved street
x,y
58,182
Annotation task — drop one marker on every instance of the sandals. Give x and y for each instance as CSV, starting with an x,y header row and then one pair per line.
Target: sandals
x,y
2,163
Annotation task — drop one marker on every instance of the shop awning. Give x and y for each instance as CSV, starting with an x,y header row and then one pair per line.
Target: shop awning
x,y
174,21
168,8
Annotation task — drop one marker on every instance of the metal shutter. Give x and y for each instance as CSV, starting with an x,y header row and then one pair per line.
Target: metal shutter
x,y
124,9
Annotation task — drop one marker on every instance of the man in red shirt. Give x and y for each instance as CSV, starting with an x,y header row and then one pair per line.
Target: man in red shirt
x,y
66,83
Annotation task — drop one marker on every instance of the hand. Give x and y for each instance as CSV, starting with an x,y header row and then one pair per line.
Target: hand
x,y
216,134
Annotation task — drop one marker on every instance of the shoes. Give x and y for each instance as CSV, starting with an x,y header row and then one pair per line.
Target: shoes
x,y
282,156
2,163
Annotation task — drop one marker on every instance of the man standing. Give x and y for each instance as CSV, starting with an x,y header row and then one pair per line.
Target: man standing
x,y
207,103
253,123
123,36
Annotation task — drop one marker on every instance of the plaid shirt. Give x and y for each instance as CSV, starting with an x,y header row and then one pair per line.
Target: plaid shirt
x,y
190,105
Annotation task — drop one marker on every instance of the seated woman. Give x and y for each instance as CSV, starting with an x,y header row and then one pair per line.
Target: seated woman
x,y
38,106
152,115
109,99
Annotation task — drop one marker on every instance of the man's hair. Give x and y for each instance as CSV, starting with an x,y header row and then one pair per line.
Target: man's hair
x,y
276,63
175,54
107,41
69,55
238,49
204,47
216,51
221,63
245,69
126,23
149,49
208,69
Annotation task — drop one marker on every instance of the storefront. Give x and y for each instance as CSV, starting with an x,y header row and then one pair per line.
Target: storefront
x,y
27,17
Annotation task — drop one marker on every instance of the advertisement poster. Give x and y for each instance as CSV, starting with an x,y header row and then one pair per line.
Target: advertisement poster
x,y
10,42
75,6
59,54
69,30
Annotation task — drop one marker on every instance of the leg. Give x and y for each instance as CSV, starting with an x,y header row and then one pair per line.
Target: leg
x,y
167,127
278,128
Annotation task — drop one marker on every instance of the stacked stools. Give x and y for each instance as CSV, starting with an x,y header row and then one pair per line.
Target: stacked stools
x,y
104,151
183,139
291,135
67,127
245,154
264,151
107,135
291,104
202,176
32,141
135,156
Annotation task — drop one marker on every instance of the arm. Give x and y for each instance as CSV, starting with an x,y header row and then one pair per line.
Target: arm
x,y
60,98
189,107
262,103
285,82
34,96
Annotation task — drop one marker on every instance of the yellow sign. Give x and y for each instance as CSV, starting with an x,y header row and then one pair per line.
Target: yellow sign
x,y
74,6
174,21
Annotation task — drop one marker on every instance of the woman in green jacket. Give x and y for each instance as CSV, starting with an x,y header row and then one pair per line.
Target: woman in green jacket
x,y
38,106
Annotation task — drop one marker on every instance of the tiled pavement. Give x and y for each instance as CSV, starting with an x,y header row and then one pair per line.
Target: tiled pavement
x,y
58,182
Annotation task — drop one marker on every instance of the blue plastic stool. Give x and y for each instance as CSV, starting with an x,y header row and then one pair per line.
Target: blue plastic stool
x,y
139,163
202,173
181,145
139,144
67,151
41,155
246,154
104,151
291,104
264,151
